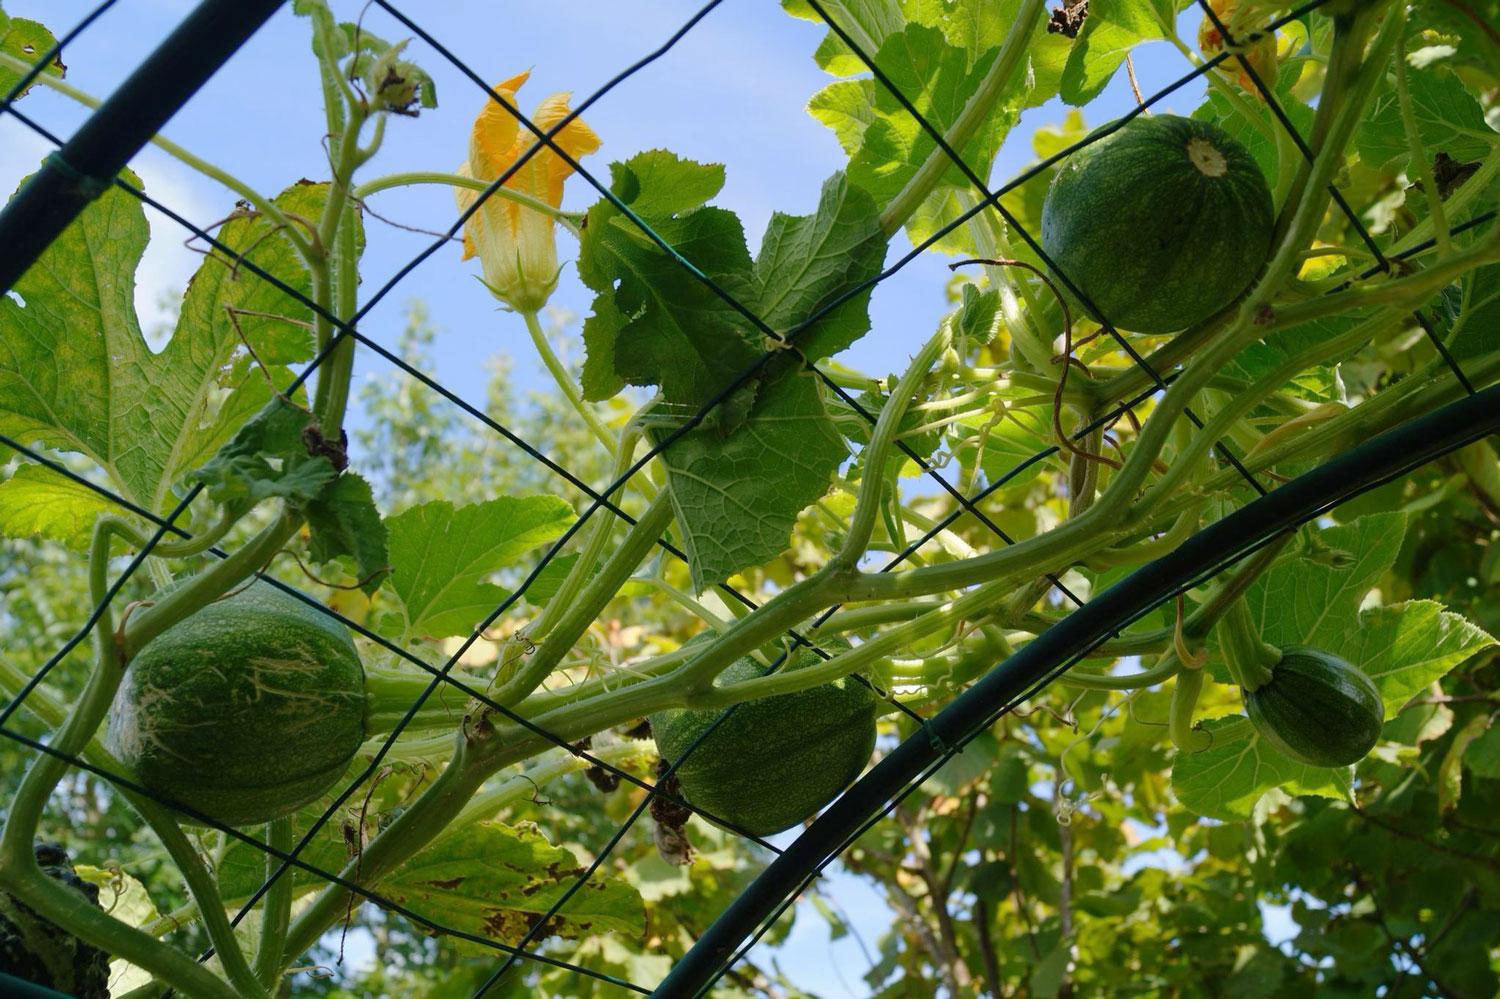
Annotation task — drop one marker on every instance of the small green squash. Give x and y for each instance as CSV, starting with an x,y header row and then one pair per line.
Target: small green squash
x,y
774,761
1161,223
1317,709
245,711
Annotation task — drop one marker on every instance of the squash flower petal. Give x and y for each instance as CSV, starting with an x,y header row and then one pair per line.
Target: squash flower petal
x,y
517,245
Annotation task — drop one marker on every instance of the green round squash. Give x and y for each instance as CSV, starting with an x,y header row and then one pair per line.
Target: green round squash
x,y
1161,223
774,761
245,711
1317,709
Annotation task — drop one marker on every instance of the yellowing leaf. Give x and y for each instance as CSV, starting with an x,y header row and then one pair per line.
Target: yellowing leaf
x,y
38,501
494,881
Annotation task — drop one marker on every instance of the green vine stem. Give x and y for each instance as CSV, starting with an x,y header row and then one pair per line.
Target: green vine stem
x,y
1249,659
592,600
1419,161
593,549
565,383
276,910
996,82
1180,716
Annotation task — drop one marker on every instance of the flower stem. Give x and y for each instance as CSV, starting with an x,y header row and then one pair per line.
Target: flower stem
x,y
1249,659
564,380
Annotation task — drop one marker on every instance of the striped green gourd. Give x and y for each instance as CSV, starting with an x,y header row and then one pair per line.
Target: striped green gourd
x,y
1159,224
245,711
774,761
1317,708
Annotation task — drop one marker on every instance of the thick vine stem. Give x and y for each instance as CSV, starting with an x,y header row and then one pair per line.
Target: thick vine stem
x,y
276,909
1249,659
595,597
882,442
66,907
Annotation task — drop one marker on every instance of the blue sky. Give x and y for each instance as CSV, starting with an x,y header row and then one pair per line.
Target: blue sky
x,y
733,92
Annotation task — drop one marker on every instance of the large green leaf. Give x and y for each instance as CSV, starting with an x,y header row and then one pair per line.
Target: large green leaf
x,y
76,374
655,322
868,23
1227,779
38,501
806,262
1404,647
1303,602
937,78
737,497
1112,29
493,880
442,556
1449,119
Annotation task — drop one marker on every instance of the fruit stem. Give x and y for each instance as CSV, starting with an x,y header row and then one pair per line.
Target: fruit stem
x,y
565,383
1249,659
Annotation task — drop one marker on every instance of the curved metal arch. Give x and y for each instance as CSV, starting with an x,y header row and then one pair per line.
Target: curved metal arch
x,y
1358,470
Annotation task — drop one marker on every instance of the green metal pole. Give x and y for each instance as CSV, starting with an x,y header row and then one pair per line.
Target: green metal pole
x,y
88,163
1406,447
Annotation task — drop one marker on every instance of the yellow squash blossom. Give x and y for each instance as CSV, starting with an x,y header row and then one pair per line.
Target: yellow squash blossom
x,y
516,245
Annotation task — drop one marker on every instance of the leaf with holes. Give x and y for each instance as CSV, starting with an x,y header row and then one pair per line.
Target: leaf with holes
x,y
737,497
36,501
496,881
442,556
27,41
77,375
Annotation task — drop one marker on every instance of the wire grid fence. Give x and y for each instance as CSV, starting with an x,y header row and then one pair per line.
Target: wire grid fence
x,y
347,329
